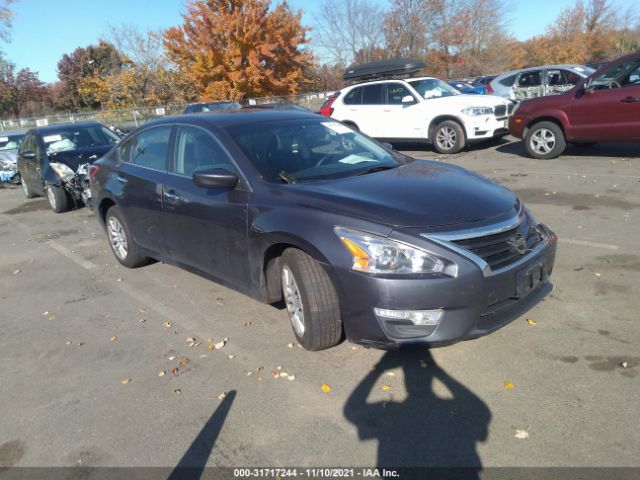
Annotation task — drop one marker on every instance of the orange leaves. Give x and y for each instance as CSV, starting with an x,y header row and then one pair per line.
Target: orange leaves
x,y
232,50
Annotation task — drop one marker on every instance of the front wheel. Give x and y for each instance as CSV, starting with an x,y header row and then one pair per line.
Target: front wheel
x,y
58,198
27,191
448,137
545,140
311,300
121,241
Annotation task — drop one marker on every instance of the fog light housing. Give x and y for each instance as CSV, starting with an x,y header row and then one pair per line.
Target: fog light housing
x,y
417,317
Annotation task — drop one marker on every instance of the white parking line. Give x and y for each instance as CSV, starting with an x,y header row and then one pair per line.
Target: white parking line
x,y
587,243
86,264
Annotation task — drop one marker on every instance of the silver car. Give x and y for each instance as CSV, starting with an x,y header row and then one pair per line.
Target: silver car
x,y
535,82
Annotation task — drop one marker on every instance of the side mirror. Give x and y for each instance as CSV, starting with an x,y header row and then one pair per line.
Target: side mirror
x,y
28,155
408,99
215,178
387,145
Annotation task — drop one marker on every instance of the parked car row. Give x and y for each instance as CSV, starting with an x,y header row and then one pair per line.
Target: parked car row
x,y
356,239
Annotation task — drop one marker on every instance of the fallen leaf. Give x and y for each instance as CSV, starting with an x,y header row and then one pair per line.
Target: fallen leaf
x,y
274,374
325,388
522,434
172,357
204,355
508,385
284,374
247,324
162,373
51,317
209,340
45,313
531,321
624,364
189,340
290,345
15,272
354,348
219,300
183,361
249,374
125,381
142,320
68,342
220,344
291,378
222,396
386,387
390,374
231,357
141,311
279,367
210,348
597,274
166,324
113,339
174,371
118,279
177,390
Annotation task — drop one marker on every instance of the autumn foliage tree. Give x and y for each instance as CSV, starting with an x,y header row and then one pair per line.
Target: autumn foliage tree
x,y
232,49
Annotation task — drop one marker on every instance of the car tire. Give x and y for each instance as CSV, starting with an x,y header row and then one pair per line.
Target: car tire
x,y
121,240
26,190
448,137
311,301
58,198
545,140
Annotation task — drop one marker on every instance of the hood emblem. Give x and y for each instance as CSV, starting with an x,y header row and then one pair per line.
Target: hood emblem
x,y
518,244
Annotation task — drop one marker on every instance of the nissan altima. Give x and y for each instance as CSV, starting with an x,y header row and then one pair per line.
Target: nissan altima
x,y
354,239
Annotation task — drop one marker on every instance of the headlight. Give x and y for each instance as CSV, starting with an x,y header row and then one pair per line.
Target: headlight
x,y
477,111
375,254
63,171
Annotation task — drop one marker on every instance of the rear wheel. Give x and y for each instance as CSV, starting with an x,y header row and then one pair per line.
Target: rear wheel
x,y
311,300
448,137
58,198
121,241
27,191
545,140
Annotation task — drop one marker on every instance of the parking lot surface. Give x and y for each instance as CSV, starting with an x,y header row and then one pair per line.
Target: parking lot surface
x,y
107,366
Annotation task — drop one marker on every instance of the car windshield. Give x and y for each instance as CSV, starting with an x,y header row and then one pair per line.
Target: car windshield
x,y
78,137
10,142
433,88
309,149
220,106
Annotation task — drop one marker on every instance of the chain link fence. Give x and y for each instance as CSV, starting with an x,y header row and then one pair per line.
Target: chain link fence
x,y
130,118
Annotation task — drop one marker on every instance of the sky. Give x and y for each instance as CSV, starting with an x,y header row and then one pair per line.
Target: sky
x,y
44,30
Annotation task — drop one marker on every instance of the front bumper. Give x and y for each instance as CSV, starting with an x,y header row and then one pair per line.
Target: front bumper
x,y
474,303
486,126
517,125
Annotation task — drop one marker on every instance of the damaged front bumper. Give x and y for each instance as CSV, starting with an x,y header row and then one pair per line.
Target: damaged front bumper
x,y
75,183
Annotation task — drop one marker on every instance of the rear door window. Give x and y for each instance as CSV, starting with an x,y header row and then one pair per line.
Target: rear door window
x,y
508,81
373,94
148,149
528,85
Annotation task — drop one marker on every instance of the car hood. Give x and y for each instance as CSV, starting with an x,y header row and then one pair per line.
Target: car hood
x,y
468,101
418,194
9,156
75,158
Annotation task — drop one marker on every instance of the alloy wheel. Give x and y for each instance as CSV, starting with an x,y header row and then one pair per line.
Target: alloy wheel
x,y
117,238
446,138
25,188
293,301
51,196
543,141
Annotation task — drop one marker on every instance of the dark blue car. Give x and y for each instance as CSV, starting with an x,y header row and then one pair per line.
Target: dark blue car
x,y
358,240
467,88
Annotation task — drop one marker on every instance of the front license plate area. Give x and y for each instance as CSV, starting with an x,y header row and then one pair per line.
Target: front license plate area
x,y
530,278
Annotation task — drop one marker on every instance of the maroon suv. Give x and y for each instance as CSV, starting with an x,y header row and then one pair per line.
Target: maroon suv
x,y
604,107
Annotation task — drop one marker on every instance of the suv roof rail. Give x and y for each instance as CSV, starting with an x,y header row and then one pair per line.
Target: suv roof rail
x,y
382,69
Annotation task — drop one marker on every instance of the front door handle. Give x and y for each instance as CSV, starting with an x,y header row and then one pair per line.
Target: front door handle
x,y
630,100
172,196
121,179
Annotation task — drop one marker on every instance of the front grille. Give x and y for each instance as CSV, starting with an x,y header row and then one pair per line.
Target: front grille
x,y
500,111
510,108
501,249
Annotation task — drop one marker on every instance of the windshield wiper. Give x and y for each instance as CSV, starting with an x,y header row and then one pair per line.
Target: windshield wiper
x,y
379,168
287,177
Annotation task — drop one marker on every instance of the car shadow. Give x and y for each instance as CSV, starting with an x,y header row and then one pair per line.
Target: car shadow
x,y
427,147
604,149
192,464
433,426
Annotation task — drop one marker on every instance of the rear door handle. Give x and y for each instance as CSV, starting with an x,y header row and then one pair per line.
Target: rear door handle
x,y
121,179
630,100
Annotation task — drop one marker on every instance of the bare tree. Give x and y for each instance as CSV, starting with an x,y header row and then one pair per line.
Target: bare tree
x,y
346,29
5,19
405,28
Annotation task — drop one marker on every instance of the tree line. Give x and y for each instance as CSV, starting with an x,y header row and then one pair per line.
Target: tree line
x,y
238,49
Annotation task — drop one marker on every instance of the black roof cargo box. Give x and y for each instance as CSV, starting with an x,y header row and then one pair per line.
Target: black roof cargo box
x,y
382,69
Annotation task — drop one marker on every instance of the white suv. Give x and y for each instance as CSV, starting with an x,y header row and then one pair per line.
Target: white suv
x,y
419,109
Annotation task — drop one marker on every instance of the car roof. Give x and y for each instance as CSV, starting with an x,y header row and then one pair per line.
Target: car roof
x,y
228,118
58,126
385,80
6,133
